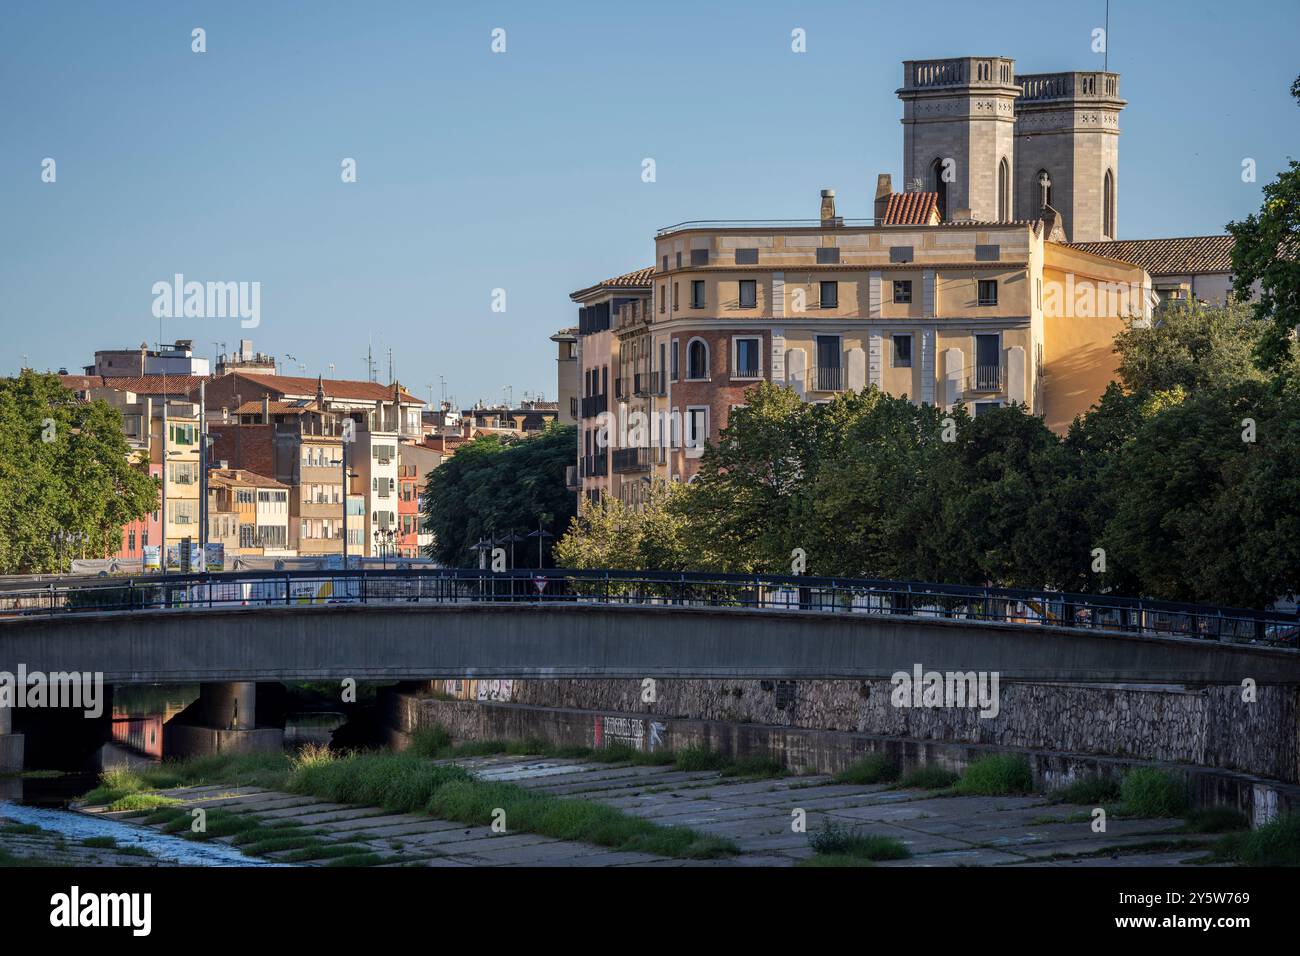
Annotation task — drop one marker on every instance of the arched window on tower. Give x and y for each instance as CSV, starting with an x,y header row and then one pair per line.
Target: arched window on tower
x,y
1004,191
940,186
1108,206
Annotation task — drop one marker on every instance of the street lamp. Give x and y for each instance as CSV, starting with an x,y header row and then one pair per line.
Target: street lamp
x,y
541,534
384,541
59,540
483,546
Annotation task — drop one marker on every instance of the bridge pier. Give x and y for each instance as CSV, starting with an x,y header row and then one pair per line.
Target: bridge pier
x,y
11,744
227,715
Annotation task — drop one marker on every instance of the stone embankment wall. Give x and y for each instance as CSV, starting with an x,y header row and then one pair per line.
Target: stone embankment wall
x,y
1210,727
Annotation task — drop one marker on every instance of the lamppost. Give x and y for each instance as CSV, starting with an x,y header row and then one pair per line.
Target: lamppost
x,y
484,547
384,541
60,540
541,534
512,539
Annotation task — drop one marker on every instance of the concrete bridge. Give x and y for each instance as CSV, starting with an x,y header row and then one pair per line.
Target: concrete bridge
x,y
382,631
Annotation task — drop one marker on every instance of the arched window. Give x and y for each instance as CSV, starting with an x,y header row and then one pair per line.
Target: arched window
x,y
1004,190
939,186
697,359
1043,188
1108,206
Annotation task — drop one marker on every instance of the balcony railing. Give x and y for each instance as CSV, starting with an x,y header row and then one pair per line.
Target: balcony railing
x,y
631,459
594,405
829,378
620,389
641,384
989,378
594,466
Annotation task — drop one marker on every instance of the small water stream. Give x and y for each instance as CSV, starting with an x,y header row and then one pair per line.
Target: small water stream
x,y
79,826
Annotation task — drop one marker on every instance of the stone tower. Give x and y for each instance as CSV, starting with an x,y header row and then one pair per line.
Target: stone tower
x,y
1067,126
959,116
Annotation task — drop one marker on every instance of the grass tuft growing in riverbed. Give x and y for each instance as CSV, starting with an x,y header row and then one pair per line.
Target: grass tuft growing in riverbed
x,y
996,775
1148,792
835,840
874,768
475,802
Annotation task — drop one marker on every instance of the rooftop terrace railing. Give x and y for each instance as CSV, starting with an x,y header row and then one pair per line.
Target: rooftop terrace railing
x,y
1085,613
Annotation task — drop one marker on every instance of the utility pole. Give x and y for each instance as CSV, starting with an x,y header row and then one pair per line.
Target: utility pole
x,y
203,471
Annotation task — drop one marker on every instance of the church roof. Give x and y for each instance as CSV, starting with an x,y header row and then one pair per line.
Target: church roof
x,y
1189,254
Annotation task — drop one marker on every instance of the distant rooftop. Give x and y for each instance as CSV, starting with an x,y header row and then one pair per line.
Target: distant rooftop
x,y
1167,256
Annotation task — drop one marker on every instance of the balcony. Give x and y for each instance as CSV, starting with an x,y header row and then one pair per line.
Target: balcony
x,y
594,405
631,460
829,378
594,466
989,378
620,389
641,385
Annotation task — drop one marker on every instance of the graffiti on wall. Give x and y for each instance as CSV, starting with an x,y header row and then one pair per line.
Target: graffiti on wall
x,y
634,732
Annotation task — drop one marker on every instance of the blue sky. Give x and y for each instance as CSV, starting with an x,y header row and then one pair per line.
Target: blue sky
x,y
522,170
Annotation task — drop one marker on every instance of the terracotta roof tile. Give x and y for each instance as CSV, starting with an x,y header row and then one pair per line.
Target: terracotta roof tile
x,y
239,477
1167,256
911,209
334,388
640,279
139,384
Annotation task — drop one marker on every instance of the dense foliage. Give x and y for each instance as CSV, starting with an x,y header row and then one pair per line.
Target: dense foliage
x,y
495,485
65,466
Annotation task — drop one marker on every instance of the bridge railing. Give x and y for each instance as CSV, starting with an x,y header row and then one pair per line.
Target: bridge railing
x,y
775,593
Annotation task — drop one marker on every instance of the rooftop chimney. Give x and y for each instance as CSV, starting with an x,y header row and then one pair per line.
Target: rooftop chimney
x,y
266,409
884,189
828,207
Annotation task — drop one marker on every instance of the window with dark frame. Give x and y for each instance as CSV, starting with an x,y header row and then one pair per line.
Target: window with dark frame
x,y
903,351
697,293
697,360
747,365
988,291
902,291
748,293
699,257
830,295
747,257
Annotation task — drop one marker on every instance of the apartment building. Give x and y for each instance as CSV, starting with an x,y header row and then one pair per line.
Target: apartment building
x,y
415,462
295,429
977,314
174,447
257,506
598,361
980,314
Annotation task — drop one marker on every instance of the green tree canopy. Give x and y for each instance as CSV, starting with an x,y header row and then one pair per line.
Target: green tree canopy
x,y
65,466
495,485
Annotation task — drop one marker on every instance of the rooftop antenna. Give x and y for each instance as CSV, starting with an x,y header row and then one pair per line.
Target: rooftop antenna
x,y
390,365
1105,50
